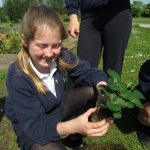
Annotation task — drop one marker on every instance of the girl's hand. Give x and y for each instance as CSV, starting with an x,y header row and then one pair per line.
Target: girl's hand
x,y
74,26
83,126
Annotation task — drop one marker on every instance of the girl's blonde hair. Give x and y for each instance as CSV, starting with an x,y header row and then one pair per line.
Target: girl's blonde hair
x,y
33,19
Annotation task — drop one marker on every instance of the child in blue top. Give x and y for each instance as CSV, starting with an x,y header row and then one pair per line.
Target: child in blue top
x,y
143,115
37,104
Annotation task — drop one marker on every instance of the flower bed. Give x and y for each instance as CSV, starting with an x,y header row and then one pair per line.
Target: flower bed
x,y
10,43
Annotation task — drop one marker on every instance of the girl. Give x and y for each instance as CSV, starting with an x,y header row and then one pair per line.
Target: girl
x,y
37,104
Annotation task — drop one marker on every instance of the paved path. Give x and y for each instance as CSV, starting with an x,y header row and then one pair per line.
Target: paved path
x,y
145,25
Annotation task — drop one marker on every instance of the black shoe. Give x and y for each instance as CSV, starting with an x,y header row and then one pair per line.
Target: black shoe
x,y
76,142
143,133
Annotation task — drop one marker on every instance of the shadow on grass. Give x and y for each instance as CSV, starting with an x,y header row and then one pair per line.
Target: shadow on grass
x,y
2,107
126,124
96,146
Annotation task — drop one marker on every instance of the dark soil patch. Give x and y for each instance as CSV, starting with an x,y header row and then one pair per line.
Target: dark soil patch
x,y
102,113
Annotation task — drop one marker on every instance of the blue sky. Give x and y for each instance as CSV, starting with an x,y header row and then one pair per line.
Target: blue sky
x,y
144,1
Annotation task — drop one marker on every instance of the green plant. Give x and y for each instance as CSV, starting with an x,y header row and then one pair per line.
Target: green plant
x,y
119,95
3,76
11,44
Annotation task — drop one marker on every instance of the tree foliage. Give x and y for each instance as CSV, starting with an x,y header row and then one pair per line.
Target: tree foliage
x,y
57,5
147,10
137,8
16,8
3,15
140,9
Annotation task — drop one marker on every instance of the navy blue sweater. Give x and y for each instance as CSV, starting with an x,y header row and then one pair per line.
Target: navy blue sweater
x,y
144,80
91,8
35,114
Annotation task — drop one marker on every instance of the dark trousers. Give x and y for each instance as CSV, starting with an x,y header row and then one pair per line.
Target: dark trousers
x,y
110,31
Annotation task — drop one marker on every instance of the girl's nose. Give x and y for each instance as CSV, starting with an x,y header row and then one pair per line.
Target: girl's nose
x,y
48,55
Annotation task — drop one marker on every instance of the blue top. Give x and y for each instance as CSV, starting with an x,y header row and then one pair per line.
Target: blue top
x,y
144,79
35,114
91,8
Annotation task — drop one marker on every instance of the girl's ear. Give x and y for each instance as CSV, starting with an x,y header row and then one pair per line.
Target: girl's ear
x,y
23,40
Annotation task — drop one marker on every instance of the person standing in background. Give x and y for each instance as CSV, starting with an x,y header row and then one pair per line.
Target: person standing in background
x,y
104,24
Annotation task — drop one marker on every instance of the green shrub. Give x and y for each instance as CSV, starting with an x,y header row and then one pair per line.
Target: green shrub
x,y
10,44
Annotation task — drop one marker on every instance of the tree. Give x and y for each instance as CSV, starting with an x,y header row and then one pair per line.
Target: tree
x,y
3,15
57,5
137,8
148,7
16,8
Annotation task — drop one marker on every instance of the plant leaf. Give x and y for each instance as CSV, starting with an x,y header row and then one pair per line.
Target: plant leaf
x,y
117,115
115,87
125,95
103,89
135,97
114,75
121,102
138,94
130,105
138,104
119,86
110,82
111,96
122,86
113,107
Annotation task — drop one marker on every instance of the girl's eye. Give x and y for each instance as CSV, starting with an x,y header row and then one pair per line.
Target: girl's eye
x,y
41,46
56,46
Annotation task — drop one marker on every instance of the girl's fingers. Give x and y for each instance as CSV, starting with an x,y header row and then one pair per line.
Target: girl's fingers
x,y
99,133
96,125
90,111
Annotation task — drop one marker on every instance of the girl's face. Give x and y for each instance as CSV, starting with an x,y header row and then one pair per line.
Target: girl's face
x,y
45,48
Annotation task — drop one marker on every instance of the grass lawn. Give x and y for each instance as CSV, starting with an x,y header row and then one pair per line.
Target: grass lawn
x,y
123,131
